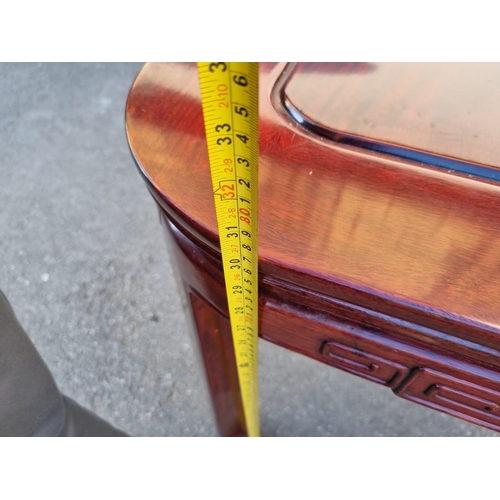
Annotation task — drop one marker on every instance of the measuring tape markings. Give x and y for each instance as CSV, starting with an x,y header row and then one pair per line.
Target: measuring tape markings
x,y
230,108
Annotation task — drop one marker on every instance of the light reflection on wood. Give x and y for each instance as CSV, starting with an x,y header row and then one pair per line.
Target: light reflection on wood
x,y
368,221
451,109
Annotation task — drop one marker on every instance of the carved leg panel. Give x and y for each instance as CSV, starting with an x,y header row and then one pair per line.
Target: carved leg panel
x,y
207,300
214,334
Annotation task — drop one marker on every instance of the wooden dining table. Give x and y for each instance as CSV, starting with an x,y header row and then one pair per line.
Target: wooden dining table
x,y
379,223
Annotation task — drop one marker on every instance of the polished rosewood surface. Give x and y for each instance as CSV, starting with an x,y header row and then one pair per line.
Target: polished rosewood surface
x,y
450,109
378,248
357,224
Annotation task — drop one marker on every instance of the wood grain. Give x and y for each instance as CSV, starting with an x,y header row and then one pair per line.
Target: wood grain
x,y
401,251
412,234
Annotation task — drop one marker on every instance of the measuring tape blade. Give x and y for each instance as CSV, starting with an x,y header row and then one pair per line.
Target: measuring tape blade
x,y
229,94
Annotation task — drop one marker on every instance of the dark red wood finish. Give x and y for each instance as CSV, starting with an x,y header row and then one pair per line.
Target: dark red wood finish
x,y
199,277
372,263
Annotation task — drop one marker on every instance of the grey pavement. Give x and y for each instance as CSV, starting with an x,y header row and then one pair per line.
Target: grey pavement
x,y
85,266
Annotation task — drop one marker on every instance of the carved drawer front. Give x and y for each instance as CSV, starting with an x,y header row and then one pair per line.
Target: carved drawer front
x,y
454,396
365,365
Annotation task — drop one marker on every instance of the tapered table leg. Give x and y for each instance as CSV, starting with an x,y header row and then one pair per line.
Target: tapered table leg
x,y
207,300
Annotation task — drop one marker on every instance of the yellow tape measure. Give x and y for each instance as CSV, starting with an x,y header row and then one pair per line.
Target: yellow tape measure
x,y
229,94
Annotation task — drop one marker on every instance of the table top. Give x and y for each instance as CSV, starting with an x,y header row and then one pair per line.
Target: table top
x,y
400,236
450,109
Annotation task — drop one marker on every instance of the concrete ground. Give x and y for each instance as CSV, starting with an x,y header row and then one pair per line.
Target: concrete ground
x,y
85,266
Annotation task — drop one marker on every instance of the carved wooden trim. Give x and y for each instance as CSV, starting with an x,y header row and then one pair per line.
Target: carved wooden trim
x,y
455,396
